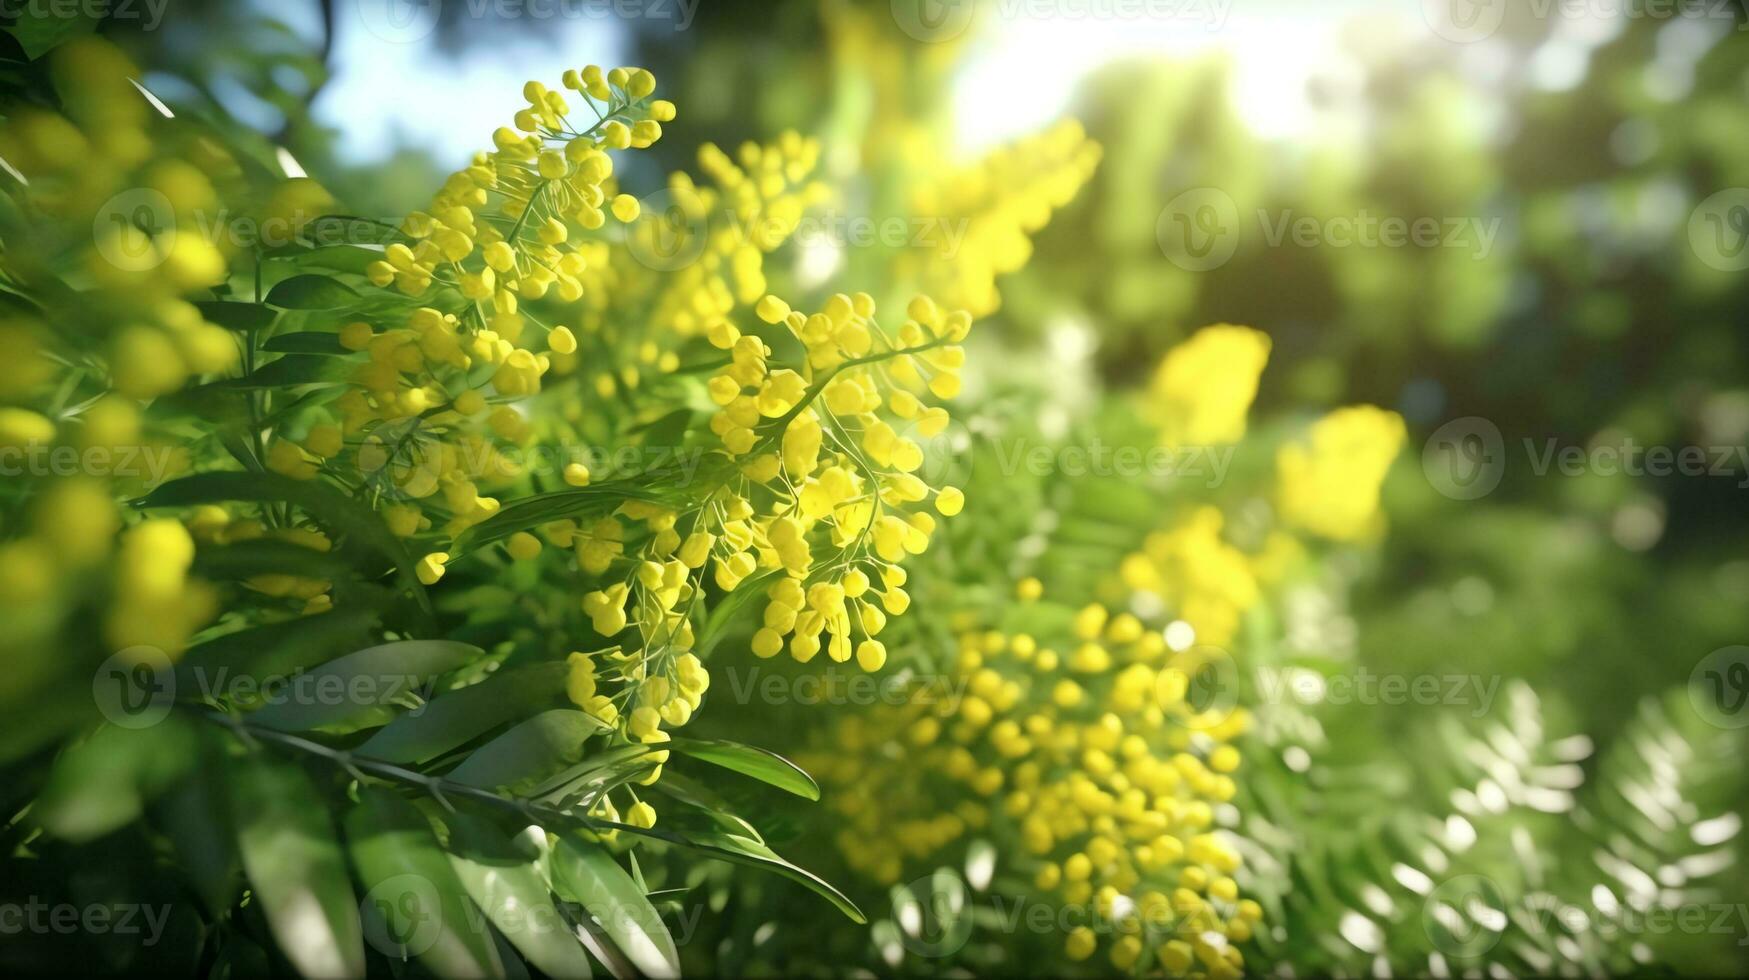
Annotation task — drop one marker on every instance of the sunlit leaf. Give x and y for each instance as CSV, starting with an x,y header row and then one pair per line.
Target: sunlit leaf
x,y
586,873
763,765
414,902
296,869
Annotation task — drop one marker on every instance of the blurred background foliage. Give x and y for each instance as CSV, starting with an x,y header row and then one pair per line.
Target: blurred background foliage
x,y
1591,321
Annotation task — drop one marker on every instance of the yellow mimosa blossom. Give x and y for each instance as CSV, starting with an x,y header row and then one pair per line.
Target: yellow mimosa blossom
x,y
1329,483
1203,389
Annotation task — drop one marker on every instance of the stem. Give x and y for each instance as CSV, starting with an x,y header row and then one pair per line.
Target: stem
x,y
440,788
819,386
533,198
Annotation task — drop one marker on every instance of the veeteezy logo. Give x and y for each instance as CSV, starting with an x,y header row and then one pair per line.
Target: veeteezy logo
x,y
1466,458
1469,21
138,687
1369,688
408,21
843,687
945,20
1201,228
148,14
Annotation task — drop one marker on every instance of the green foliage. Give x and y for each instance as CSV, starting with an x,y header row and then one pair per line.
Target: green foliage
x,y
456,819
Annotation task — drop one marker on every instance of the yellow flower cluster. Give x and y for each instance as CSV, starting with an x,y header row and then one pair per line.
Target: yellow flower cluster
x,y
430,409
808,495
1330,483
1192,570
542,174
666,690
697,254
98,167
1329,486
1082,745
1203,388
987,213
135,201
812,489
837,461
971,222
1085,742
787,495
156,604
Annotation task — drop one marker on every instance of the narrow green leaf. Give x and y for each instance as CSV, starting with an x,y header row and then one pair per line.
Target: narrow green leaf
x,y
705,803
728,846
339,258
529,752
361,690
335,230
414,904
453,719
290,371
658,485
763,765
291,407
233,315
503,876
336,512
306,342
666,431
728,608
273,650
533,511
600,769
584,872
296,869
265,556
311,292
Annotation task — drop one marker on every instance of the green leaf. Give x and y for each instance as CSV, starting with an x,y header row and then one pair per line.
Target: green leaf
x,y
738,849
503,876
705,803
666,431
361,690
42,27
102,783
290,371
336,512
274,650
599,770
194,816
533,511
765,766
340,258
306,342
265,556
297,872
659,485
311,292
729,607
585,873
40,717
340,230
308,399
529,752
455,718
414,903
237,316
